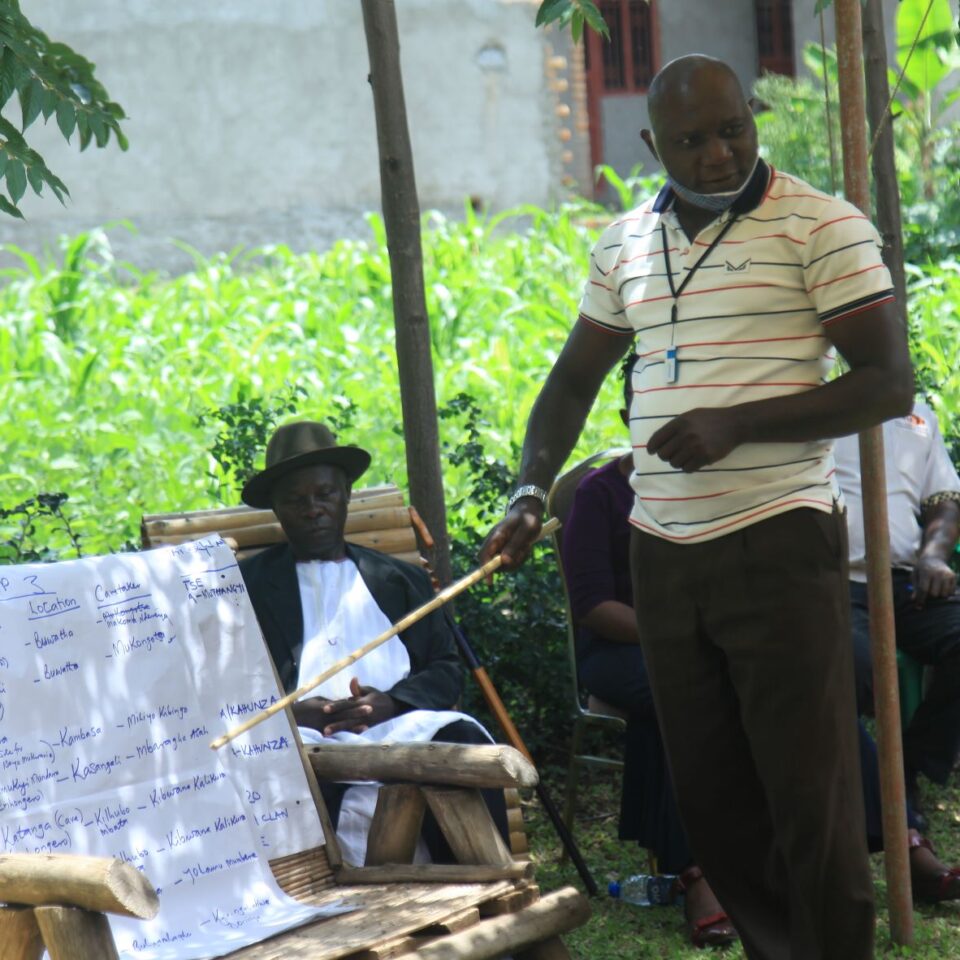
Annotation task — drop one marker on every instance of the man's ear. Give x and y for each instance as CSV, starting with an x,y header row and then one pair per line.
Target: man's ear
x,y
647,137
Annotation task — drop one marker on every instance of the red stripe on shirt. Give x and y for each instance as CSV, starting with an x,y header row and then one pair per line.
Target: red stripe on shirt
x,y
726,343
847,276
852,216
697,293
758,513
641,256
708,386
811,196
764,236
705,496
853,313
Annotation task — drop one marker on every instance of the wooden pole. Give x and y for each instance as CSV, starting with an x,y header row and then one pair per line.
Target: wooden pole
x,y
452,764
71,933
540,923
94,883
19,934
401,217
876,526
444,596
882,156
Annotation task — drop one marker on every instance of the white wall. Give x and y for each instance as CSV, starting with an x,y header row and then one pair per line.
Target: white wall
x,y
251,121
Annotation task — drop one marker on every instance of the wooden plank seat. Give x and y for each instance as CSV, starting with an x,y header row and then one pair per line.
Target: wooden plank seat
x,y
430,910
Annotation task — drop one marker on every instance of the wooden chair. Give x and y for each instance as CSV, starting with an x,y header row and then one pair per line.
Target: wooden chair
x,y
485,906
588,711
376,517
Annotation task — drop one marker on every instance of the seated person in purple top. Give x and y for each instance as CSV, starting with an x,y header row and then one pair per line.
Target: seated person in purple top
x,y
610,665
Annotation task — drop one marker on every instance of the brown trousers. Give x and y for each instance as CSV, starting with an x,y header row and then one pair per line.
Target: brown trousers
x,y
747,641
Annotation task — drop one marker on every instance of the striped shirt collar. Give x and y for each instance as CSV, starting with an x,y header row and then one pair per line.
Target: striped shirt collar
x,y
747,201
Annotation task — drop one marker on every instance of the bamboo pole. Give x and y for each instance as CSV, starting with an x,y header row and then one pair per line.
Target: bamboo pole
x,y
401,218
444,596
875,521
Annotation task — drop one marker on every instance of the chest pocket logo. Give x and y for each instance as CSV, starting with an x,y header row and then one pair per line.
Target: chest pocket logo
x,y
738,267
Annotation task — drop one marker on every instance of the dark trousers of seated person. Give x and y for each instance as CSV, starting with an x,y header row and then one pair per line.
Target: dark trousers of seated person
x,y
617,674
931,635
746,639
460,731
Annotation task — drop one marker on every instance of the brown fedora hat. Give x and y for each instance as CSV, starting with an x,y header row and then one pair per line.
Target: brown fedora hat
x,y
297,445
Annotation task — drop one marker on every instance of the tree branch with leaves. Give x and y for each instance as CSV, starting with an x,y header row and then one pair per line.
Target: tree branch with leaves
x,y
48,78
576,13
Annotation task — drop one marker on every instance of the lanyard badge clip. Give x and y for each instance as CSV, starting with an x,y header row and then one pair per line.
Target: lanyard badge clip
x,y
671,365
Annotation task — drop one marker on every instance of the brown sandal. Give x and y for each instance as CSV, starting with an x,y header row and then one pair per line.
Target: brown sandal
x,y
714,930
934,889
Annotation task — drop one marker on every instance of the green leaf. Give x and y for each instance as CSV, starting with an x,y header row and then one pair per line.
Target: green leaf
x,y
8,75
122,141
99,128
83,126
551,10
49,102
36,179
935,43
576,26
16,178
66,118
31,100
7,207
595,18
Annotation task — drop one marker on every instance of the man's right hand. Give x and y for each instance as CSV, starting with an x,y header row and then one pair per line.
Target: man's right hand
x,y
309,713
515,535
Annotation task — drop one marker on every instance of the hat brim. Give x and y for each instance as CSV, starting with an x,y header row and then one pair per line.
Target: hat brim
x,y
257,490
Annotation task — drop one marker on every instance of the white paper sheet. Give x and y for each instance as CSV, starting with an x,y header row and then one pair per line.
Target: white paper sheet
x,y
115,674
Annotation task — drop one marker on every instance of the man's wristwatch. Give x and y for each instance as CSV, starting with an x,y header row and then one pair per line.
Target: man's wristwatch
x,y
527,490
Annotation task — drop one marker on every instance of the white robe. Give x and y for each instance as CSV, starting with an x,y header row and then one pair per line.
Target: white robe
x,y
339,616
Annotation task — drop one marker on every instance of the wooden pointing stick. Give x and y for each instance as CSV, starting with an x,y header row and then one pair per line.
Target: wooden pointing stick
x,y
411,618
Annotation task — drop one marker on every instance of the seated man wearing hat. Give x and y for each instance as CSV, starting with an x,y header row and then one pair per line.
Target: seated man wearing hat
x,y
318,598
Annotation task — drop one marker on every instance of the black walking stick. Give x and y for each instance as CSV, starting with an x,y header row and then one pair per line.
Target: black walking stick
x,y
499,711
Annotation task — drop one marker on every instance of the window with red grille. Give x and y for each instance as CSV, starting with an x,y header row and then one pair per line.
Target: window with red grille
x,y
775,36
624,63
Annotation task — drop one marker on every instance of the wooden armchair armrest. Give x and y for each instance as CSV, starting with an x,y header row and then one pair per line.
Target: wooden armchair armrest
x,y
101,884
448,764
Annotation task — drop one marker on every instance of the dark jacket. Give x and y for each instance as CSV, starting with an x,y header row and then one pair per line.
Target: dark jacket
x,y
398,587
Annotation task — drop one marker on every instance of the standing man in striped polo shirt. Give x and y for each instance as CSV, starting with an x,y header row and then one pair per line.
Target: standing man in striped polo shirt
x,y
740,284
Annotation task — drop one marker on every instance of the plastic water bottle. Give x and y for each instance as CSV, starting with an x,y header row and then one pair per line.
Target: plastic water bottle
x,y
644,890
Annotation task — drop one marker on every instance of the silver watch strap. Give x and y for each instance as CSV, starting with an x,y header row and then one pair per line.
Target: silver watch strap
x,y
527,490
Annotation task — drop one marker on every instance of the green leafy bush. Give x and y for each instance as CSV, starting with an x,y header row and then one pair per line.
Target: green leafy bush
x,y
142,394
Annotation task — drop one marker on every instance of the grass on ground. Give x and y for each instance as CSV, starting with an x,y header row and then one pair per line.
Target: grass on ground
x,y
620,931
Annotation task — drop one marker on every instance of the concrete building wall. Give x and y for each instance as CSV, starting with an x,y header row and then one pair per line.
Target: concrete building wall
x,y
252,122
